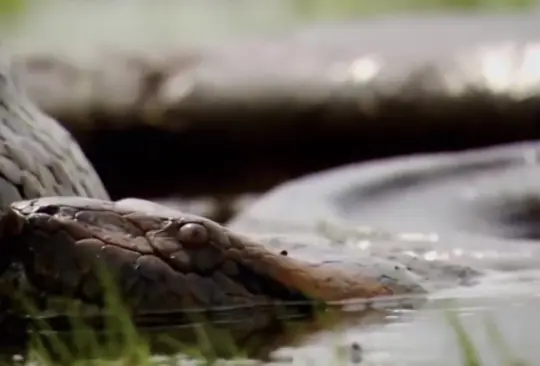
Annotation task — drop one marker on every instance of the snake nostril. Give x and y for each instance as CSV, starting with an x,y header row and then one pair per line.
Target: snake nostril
x,y
193,234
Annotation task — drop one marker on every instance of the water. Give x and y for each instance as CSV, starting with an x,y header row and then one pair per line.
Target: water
x,y
426,337
445,209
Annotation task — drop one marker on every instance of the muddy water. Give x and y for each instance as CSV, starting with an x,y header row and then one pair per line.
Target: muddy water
x,y
475,209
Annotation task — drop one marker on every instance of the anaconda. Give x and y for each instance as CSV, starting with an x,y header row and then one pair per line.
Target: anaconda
x,y
169,260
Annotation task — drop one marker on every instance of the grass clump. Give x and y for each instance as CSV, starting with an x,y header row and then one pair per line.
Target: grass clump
x,y
110,336
116,342
470,354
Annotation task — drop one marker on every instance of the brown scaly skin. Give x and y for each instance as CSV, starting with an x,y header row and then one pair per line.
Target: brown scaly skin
x,y
160,262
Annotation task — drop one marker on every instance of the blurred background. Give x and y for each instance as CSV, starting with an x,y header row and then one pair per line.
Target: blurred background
x,y
212,102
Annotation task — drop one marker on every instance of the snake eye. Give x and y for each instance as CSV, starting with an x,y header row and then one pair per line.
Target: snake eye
x,y
193,234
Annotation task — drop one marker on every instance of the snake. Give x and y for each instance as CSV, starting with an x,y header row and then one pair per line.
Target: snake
x,y
169,259
308,240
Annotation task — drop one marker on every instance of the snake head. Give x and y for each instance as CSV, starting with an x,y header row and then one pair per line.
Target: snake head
x,y
160,259
164,260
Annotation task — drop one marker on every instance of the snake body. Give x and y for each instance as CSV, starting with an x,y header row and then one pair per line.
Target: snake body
x,y
38,156
59,228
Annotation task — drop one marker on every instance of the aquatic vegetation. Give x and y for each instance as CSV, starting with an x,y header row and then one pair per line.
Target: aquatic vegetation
x,y
470,354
